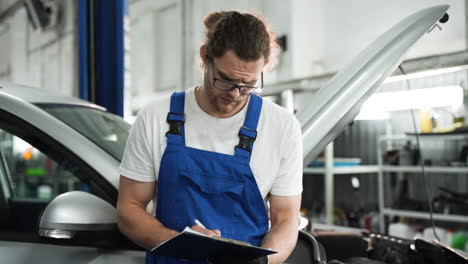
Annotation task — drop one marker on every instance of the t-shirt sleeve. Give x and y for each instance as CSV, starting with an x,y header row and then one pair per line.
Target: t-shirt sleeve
x,y
137,162
289,179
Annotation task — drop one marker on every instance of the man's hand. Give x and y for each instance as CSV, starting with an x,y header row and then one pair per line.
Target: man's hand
x,y
236,260
205,231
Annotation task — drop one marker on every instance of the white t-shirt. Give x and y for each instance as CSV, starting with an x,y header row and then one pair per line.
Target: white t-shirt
x,y
276,159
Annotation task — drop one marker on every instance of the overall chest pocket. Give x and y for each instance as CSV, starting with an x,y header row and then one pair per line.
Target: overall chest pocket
x,y
217,196
213,185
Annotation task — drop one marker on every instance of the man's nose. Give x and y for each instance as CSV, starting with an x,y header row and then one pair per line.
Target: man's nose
x,y
234,93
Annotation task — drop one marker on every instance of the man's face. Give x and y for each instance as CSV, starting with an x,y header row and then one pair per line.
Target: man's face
x,y
230,68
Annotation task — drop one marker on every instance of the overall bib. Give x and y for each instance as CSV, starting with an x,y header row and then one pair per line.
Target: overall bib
x,y
218,189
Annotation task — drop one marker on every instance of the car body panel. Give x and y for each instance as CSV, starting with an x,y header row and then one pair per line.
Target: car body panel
x,y
19,252
37,95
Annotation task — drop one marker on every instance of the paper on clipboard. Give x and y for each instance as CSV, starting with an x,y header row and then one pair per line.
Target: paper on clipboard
x,y
193,245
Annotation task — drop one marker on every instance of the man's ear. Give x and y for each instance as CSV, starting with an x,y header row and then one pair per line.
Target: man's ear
x,y
204,54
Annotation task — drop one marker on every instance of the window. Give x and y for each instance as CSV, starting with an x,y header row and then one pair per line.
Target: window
x,y
103,128
34,169
32,174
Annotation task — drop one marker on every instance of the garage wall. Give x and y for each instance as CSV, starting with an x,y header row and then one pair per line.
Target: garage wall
x,y
5,70
157,49
323,36
328,33
165,39
150,47
41,59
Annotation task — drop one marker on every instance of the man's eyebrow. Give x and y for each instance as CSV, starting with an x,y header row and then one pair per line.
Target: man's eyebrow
x,y
224,76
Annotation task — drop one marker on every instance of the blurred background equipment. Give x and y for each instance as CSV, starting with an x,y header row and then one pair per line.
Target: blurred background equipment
x,y
43,14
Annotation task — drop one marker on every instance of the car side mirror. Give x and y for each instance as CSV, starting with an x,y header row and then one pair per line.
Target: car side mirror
x,y
76,211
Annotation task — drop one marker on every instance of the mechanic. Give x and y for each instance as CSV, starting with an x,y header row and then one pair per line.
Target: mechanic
x,y
217,152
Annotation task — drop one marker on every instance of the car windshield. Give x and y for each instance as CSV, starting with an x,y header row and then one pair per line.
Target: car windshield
x,y
108,131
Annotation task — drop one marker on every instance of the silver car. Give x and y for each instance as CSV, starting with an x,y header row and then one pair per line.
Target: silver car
x,y
52,145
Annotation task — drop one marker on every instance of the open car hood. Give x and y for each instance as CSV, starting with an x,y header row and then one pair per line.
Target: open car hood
x,y
337,103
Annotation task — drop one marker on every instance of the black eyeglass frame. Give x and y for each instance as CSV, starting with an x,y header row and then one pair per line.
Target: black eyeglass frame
x,y
255,89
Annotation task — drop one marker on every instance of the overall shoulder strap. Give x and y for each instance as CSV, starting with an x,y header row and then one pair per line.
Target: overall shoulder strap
x,y
176,119
248,132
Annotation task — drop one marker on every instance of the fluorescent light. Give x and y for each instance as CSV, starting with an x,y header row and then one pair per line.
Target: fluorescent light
x,y
427,73
412,99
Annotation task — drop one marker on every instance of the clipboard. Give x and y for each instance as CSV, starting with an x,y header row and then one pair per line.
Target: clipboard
x,y
193,245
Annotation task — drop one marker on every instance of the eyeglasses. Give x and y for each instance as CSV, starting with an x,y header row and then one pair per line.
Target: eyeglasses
x,y
229,86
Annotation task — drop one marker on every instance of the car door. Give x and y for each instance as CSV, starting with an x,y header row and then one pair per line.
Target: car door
x,y
33,170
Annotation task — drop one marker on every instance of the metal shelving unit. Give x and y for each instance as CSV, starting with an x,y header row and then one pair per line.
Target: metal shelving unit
x,y
428,169
329,172
362,169
382,169
422,215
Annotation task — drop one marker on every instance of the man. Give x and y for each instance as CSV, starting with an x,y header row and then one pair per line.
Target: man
x,y
215,152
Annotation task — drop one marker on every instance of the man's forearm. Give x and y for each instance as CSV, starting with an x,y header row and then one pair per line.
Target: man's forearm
x,y
282,238
142,228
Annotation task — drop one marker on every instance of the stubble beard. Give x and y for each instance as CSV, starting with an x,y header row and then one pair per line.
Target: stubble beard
x,y
218,101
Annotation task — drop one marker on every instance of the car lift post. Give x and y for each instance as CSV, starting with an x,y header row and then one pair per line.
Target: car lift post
x,y
101,52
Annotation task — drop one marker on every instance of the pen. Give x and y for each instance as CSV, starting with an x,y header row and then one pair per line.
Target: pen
x,y
199,223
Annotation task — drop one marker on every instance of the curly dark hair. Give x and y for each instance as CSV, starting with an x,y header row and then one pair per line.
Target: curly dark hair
x,y
247,34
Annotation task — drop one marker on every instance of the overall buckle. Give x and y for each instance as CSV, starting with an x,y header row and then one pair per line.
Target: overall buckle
x,y
246,140
175,123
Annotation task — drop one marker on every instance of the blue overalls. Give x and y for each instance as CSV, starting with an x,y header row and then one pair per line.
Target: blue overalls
x,y
218,189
